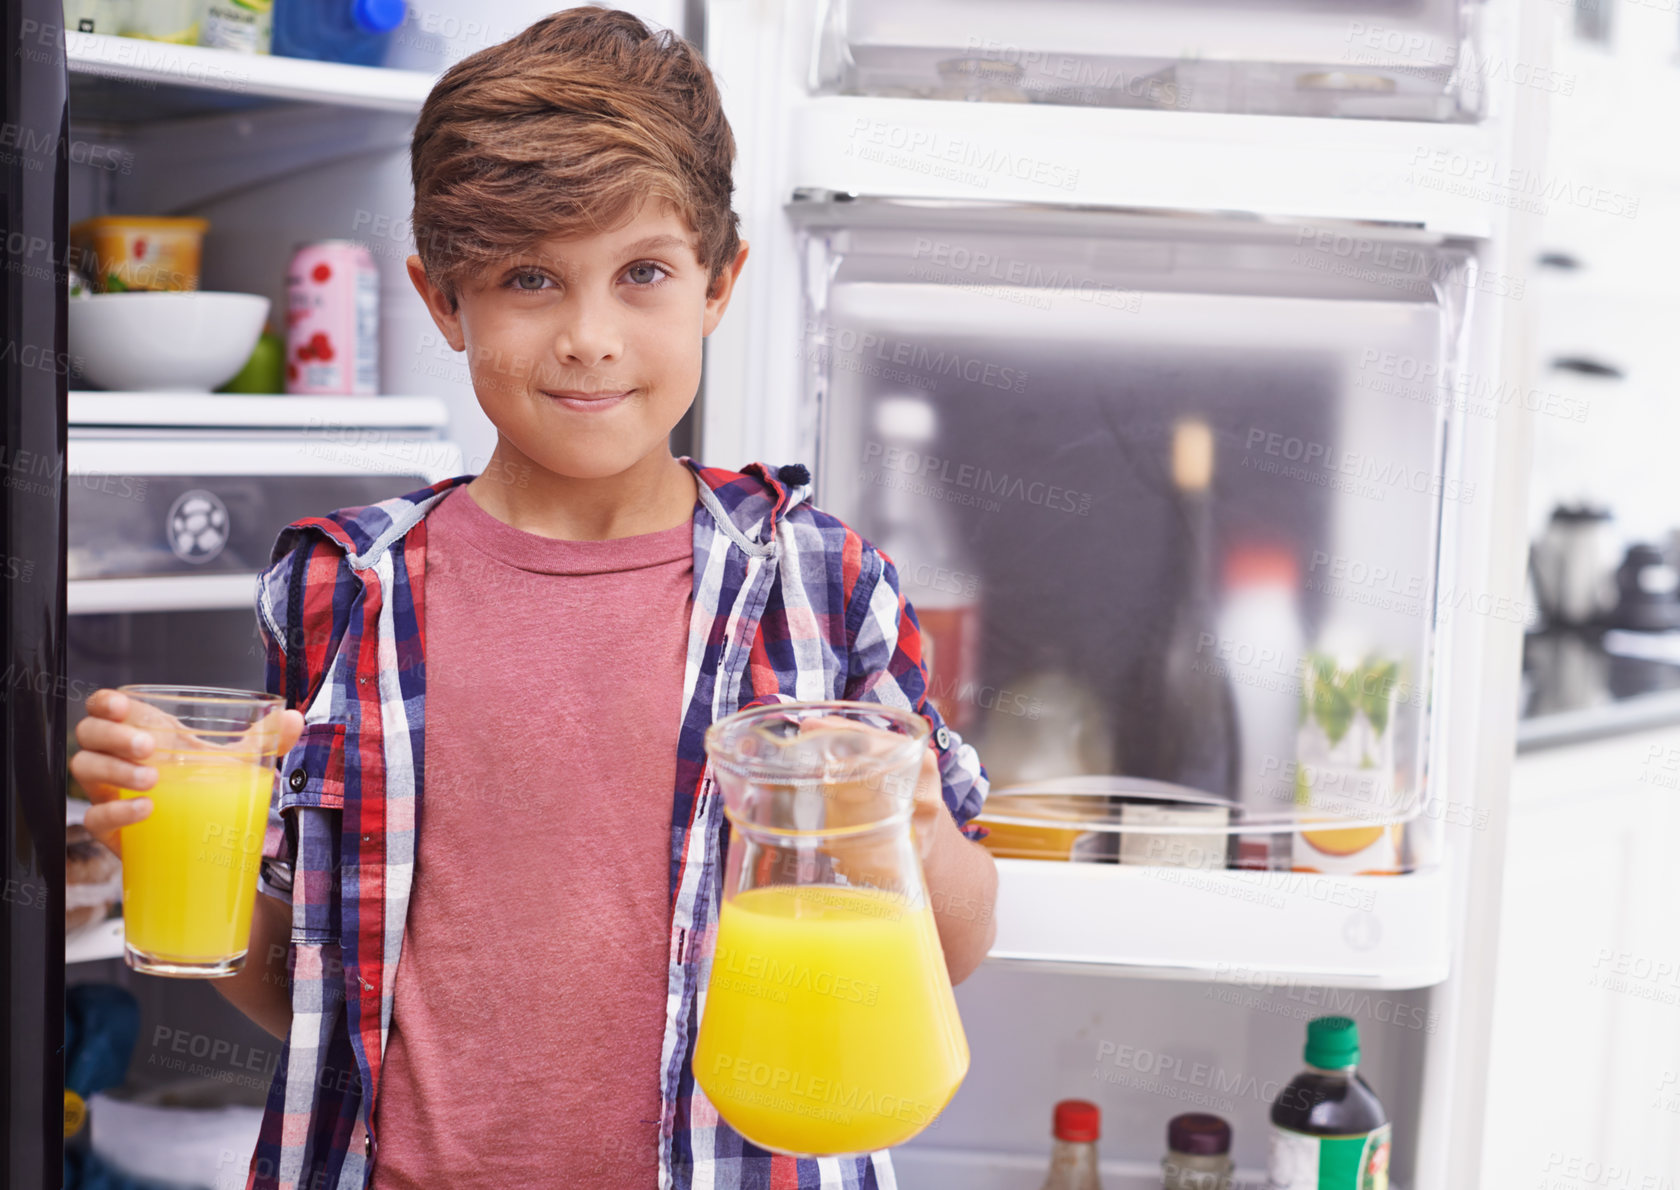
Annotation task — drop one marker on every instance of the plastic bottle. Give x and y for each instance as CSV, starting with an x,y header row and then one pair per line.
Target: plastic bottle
x,y
1198,1153
353,31
936,572
1260,644
1329,1132
1073,1154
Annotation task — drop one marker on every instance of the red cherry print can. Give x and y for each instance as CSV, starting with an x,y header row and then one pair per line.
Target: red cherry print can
x,y
332,321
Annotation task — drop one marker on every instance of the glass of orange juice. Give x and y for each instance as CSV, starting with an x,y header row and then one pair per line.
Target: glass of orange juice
x,y
828,1024
190,867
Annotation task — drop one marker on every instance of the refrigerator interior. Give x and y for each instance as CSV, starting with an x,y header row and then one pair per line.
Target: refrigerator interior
x,y
1382,59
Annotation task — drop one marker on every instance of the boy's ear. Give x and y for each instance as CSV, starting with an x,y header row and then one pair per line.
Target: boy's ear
x,y
717,301
444,312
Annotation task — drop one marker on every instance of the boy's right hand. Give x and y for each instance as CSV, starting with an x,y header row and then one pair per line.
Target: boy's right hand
x,y
116,738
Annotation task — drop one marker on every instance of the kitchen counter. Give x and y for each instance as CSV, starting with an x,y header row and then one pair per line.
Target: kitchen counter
x,y
1576,689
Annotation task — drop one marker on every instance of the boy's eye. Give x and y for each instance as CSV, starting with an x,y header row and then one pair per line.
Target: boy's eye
x,y
531,282
645,274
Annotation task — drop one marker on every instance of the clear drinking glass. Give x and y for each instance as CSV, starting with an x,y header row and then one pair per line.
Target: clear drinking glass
x,y
190,868
828,1024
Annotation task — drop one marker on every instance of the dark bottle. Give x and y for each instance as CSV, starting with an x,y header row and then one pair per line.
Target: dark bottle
x,y
1192,739
1329,1132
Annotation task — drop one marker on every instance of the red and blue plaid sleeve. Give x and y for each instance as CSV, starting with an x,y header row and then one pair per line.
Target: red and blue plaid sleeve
x,y
885,666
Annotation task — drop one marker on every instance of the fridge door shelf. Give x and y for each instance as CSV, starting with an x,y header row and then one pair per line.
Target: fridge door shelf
x,y
1246,929
1443,177
128,79
1374,60
1338,819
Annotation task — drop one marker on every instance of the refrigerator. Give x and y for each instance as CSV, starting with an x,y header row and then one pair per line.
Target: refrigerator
x,y
1000,252
33,189
1001,256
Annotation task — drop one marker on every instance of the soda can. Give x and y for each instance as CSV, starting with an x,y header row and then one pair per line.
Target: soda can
x,y
332,321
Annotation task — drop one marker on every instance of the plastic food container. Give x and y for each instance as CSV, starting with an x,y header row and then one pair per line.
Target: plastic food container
x,y
145,252
1130,820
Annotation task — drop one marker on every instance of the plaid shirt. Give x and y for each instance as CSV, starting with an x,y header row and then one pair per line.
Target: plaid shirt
x,y
789,603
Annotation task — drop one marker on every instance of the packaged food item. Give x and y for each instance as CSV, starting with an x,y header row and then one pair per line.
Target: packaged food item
x,y
1329,1131
1178,848
332,321
143,252
1027,827
245,26
174,21
1198,1153
1348,803
1076,1124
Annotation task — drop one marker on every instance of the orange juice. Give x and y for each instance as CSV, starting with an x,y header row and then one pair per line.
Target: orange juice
x,y
190,868
829,1023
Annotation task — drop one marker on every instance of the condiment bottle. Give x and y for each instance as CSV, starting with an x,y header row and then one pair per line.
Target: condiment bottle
x,y
1198,1153
1073,1154
1329,1132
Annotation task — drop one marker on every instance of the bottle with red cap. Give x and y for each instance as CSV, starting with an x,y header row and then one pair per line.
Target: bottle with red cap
x,y
1073,1154
1198,1153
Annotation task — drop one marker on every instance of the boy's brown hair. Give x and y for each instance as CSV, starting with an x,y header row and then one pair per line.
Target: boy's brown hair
x,y
566,129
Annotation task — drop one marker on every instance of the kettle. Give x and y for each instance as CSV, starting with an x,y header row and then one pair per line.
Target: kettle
x,y
1649,590
1574,565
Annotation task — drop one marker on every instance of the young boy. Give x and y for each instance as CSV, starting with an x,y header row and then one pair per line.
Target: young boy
x,y
502,848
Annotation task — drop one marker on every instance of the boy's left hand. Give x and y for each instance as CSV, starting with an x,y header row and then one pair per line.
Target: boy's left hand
x,y
930,805
859,803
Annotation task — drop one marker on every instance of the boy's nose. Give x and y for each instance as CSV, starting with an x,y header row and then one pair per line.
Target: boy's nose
x,y
587,339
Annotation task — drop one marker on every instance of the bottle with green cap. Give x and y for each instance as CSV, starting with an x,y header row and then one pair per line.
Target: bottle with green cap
x,y
1329,1132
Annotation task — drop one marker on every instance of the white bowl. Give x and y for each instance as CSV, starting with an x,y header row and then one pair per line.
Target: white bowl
x,y
155,342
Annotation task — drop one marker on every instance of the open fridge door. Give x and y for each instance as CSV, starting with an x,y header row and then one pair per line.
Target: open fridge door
x,y
1196,438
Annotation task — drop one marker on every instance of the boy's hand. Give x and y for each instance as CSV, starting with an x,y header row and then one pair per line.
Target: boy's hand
x,y
117,736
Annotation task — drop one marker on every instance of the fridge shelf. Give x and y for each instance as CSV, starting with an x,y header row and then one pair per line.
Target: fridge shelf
x,y
1403,173
191,592
1248,929
126,79
1361,60
224,410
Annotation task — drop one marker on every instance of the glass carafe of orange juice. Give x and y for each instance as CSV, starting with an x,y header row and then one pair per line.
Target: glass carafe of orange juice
x,y
828,1023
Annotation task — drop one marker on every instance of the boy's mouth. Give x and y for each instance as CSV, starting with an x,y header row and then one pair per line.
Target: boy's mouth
x,y
588,402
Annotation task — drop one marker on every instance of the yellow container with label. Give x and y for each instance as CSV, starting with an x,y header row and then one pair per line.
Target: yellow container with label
x,y
138,252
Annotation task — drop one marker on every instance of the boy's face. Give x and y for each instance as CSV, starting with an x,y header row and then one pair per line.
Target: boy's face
x,y
585,351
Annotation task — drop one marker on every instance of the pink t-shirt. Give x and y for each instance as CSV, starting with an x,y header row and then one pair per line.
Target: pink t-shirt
x,y
530,997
